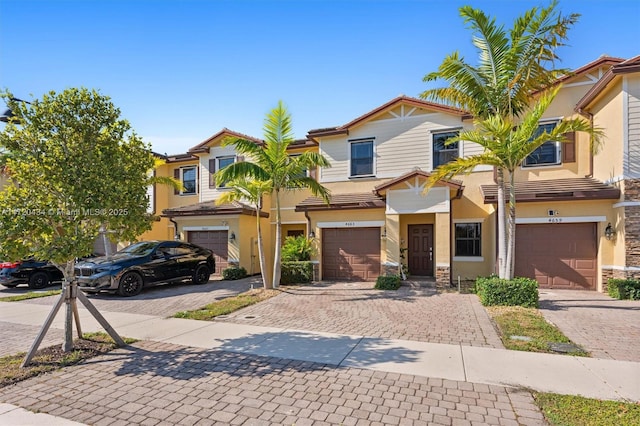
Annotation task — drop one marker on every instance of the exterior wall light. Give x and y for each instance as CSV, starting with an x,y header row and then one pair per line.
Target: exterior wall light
x,y
383,234
312,234
609,232
232,237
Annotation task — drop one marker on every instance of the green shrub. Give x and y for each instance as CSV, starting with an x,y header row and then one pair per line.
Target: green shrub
x,y
296,273
297,249
234,273
387,282
624,289
516,292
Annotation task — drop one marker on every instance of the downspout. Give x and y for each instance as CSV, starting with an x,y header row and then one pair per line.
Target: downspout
x,y
590,117
176,235
306,215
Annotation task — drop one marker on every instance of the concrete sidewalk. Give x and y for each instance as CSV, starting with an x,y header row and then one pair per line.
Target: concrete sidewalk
x,y
590,377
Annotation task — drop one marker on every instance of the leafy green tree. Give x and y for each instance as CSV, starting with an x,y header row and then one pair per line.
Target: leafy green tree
x,y
251,191
272,163
74,167
513,66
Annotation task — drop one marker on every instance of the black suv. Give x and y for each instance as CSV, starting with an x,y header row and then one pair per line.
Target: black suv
x,y
35,273
143,264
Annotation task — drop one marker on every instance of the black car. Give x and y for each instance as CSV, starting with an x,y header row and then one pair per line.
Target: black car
x,y
143,264
36,274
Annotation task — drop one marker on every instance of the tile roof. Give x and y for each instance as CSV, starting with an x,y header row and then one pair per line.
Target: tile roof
x,y
455,184
363,200
556,190
208,208
420,103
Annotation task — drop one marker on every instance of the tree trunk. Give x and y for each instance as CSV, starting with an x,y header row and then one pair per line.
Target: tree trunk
x,y
278,245
511,230
68,291
502,237
261,257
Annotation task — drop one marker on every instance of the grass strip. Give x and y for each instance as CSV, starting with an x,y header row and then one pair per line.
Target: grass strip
x,y
530,323
53,357
569,410
228,305
29,295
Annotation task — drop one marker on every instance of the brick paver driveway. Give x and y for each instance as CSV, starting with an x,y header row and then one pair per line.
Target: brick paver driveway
x,y
165,300
155,383
606,327
420,314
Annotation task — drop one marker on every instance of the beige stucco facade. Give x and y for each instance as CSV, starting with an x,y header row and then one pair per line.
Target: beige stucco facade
x,y
391,197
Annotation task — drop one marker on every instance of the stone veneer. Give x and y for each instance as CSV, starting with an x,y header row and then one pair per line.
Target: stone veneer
x,y
443,276
632,223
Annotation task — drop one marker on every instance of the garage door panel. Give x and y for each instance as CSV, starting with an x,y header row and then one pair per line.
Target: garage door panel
x,y
557,255
351,254
217,242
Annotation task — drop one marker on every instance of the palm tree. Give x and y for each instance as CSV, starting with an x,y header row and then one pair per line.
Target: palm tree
x,y
271,163
512,66
250,190
507,144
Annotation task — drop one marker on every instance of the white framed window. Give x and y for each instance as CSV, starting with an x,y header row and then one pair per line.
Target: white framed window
x,y
361,158
547,154
443,153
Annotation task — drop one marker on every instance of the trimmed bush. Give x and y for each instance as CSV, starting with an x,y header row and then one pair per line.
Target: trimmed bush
x,y
234,273
387,282
516,292
297,249
296,273
623,289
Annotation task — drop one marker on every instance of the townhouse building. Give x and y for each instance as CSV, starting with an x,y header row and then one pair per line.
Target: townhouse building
x,y
578,214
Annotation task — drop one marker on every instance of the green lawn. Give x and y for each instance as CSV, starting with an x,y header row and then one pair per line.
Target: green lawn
x,y
29,295
567,410
228,305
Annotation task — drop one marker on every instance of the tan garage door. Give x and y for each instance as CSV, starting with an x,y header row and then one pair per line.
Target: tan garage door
x,y
558,255
351,254
216,241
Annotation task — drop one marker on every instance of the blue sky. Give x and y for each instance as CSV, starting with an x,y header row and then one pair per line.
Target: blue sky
x,y
181,70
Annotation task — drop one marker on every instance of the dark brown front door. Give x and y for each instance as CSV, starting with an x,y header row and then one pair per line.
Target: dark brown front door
x,y
421,250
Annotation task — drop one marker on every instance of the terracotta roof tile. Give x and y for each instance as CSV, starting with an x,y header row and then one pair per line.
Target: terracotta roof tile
x,y
364,200
211,208
556,190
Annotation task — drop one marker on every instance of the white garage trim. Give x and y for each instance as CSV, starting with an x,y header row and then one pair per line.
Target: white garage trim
x,y
205,228
354,224
560,219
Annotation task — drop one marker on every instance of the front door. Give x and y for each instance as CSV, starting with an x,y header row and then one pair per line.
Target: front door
x,y
421,250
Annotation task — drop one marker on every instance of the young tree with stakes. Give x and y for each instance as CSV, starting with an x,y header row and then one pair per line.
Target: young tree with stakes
x,y
74,168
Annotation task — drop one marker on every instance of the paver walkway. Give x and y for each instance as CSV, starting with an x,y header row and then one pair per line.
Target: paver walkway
x,y
160,383
420,314
606,327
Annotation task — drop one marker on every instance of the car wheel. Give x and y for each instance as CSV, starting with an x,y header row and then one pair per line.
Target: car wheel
x,y
39,280
130,284
201,275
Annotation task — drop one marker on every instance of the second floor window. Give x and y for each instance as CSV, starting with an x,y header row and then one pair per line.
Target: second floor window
x,y
442,153
189,177
224,162
546,154
361,158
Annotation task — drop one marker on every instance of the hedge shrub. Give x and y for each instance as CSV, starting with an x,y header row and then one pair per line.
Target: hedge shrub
x,y
234,273
387,282
515,292
296,273
624,289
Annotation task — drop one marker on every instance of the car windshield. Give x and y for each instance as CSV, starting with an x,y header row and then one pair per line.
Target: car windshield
x,y
139,249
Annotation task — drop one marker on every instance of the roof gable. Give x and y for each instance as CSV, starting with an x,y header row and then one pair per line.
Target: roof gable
x,y
412,178
218,137
629,66
402,106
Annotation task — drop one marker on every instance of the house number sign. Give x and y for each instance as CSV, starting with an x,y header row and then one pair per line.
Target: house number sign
x,y
555,219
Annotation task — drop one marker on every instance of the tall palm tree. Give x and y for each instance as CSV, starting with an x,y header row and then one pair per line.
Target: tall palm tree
x,y
251,191
271,163
507,144
512,66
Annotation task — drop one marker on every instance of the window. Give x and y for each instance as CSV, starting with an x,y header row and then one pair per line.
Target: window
x,y
546,154
362,158
468,239
224,162
189,175
443,154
